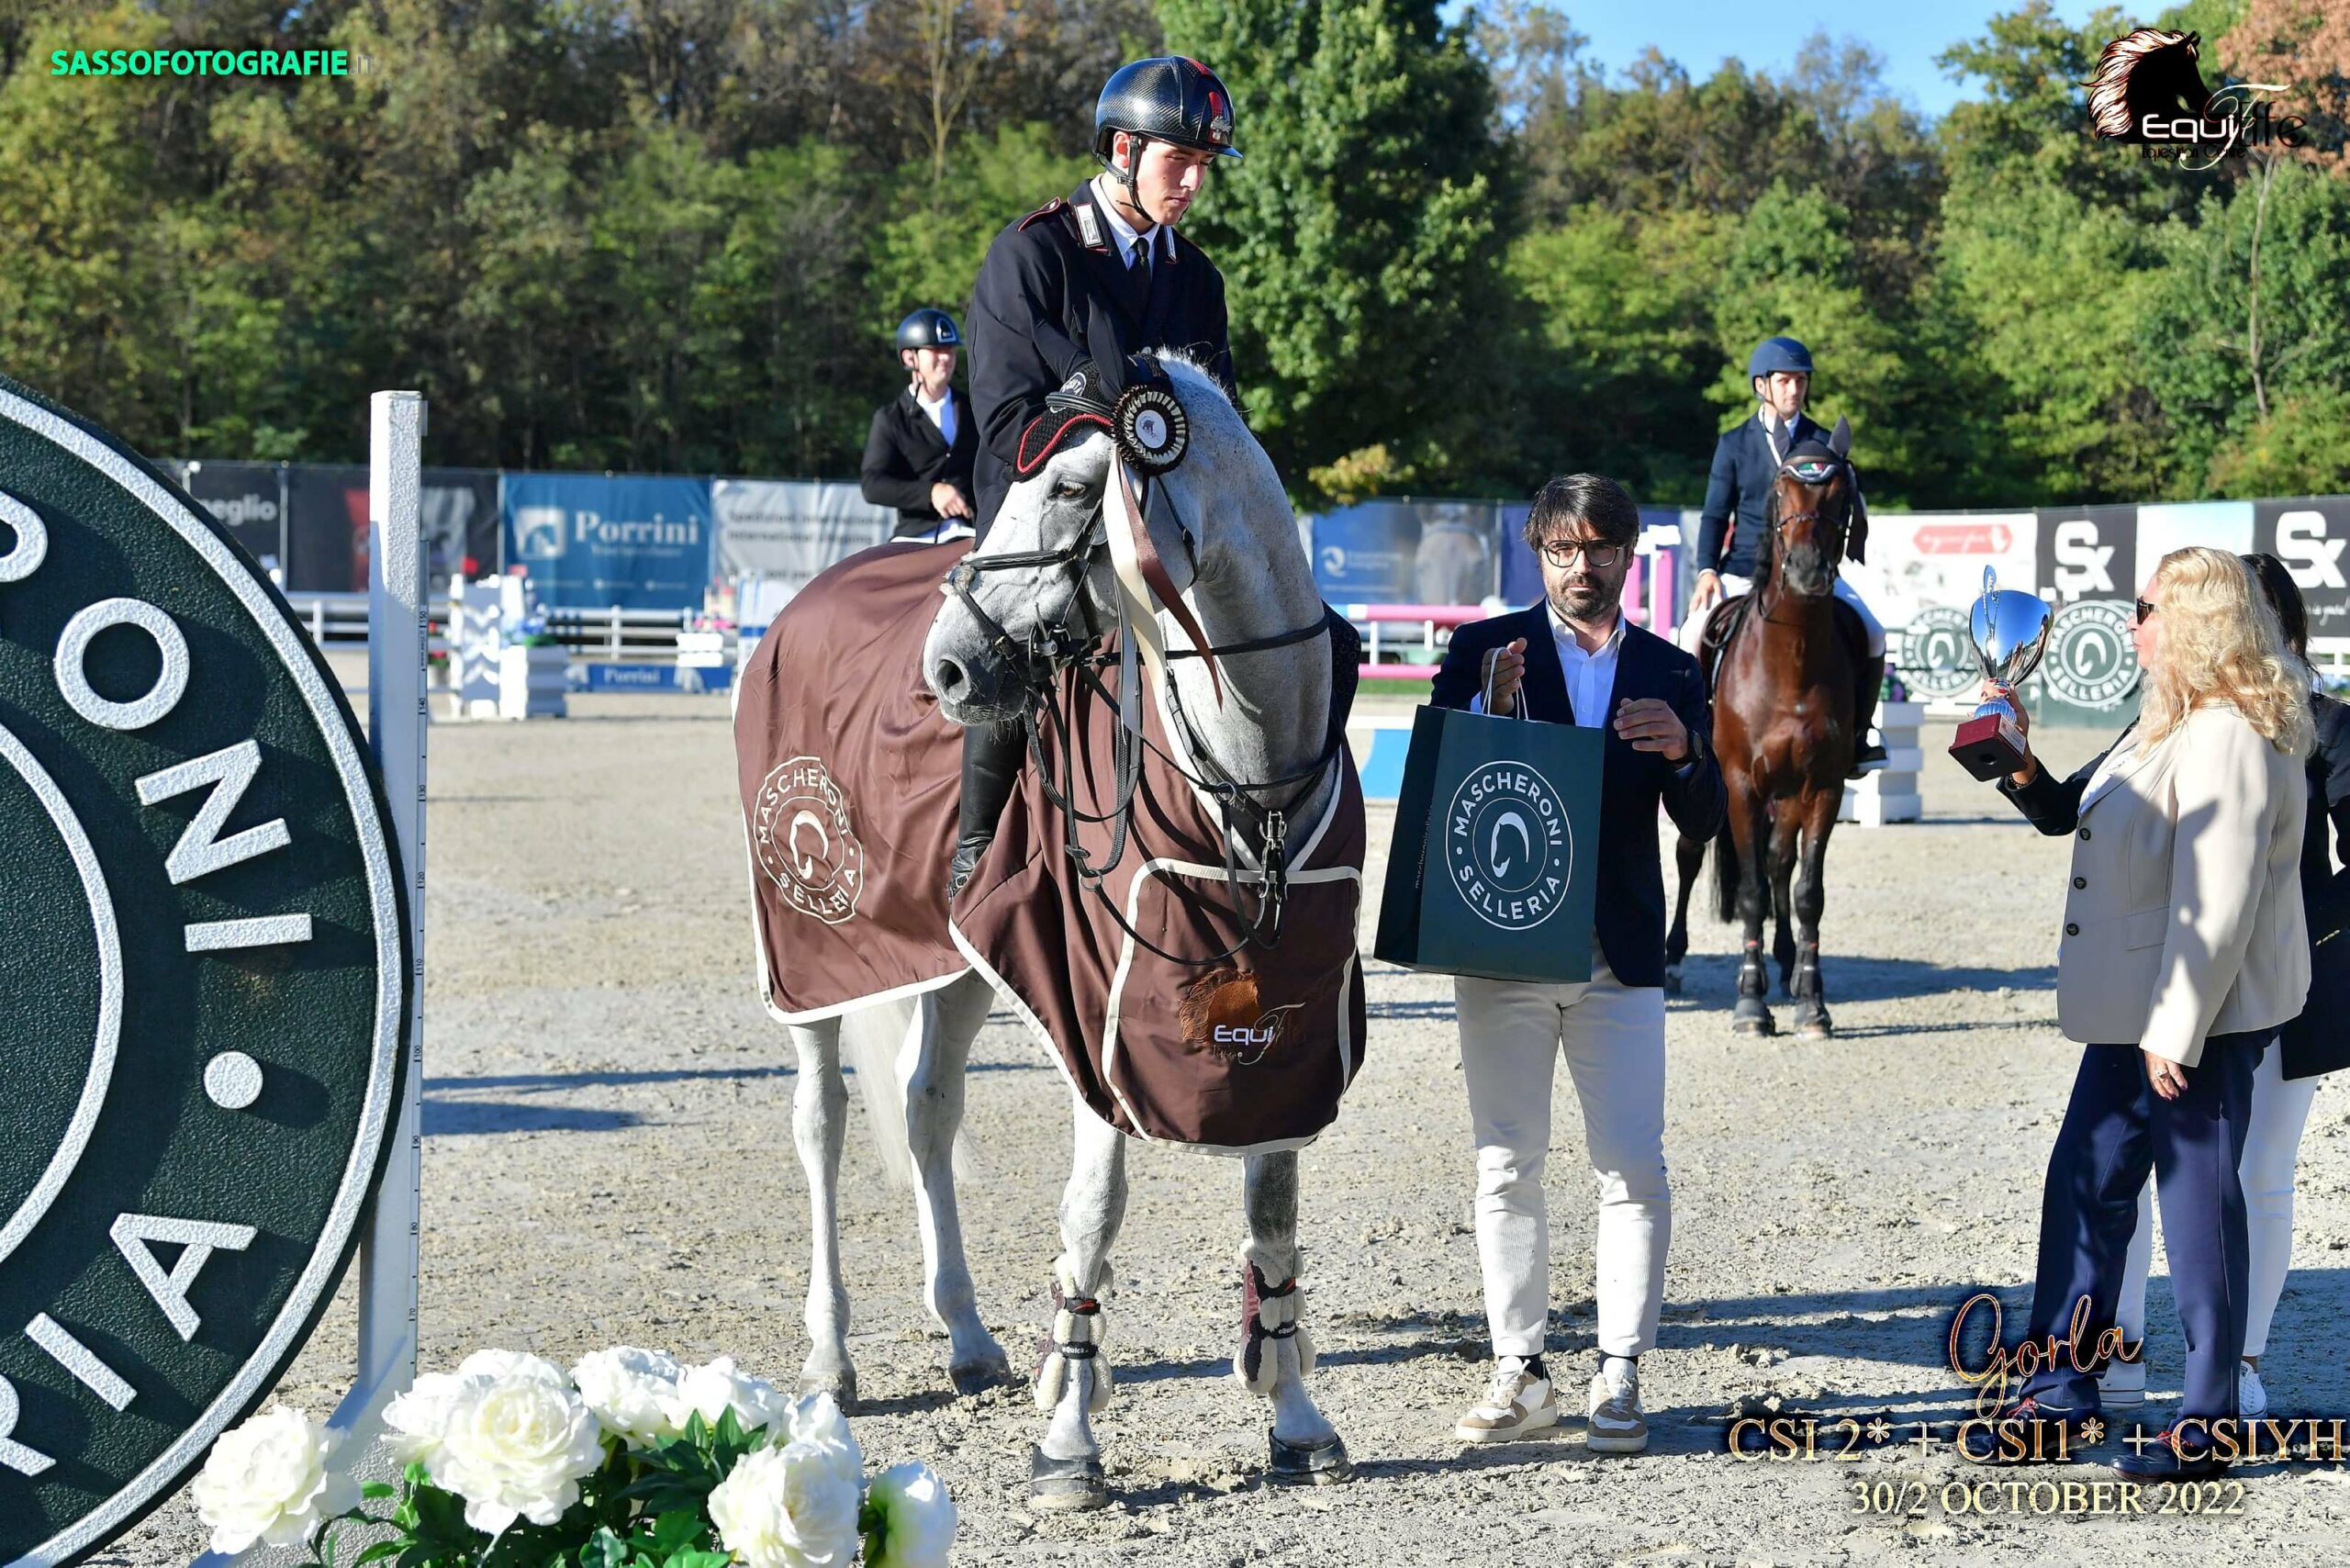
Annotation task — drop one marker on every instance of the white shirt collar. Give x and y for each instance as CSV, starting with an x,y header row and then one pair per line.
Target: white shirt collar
x,y
931,406
1127,236
1564,634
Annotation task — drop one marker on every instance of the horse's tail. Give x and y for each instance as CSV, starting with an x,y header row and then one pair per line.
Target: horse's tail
x,y
874,1041
1724,875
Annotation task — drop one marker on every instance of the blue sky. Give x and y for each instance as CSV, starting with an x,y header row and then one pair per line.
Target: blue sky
x,y
1701,33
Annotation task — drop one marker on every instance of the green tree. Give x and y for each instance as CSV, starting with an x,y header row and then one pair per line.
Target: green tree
x,y
1362,239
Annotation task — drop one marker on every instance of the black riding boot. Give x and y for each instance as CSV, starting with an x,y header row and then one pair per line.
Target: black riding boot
x,y
992,757
1867,755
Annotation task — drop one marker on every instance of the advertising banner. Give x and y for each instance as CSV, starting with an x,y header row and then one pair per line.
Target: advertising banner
x,y
460,530
249,500
592,542
326,528
1408,551
2308,536
784,531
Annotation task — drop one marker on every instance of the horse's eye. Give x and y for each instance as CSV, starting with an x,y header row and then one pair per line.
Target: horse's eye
x,y
1068,489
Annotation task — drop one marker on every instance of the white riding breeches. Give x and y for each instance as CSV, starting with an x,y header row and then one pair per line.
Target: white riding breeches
x,y
1732,586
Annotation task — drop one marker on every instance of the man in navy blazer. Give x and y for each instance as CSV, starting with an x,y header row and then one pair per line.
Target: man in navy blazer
x,y
1737,514
1574,659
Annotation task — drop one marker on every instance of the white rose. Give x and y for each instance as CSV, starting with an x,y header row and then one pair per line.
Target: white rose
x,y
793,1507
516,1447
913,1522
418,1418
713,1389
267,1481
633,1392
512,1364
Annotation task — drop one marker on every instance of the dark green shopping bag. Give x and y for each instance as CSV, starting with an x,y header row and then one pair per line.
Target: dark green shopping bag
x,y
1496,849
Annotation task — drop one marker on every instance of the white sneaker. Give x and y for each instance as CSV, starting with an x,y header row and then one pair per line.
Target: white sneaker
x,y
1615,1424
2122,1385
1518,1402
2251,1399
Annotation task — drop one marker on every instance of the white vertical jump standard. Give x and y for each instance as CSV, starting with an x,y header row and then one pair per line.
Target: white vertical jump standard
x,y
398,645
1890,794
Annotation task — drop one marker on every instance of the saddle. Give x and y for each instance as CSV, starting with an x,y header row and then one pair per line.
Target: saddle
x,y
1725,618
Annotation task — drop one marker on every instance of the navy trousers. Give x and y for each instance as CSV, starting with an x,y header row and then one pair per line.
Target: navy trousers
x,y
2115,1128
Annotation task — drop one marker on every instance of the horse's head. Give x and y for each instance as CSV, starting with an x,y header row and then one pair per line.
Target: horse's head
x,y
2145,71
1041,588
1815,515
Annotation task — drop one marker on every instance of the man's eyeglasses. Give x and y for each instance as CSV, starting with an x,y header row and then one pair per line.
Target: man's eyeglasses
x,y
1563,552
2145,610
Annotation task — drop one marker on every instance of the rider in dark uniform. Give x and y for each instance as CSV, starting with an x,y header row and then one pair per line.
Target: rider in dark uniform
x,y
918,455
1076,287
1736,516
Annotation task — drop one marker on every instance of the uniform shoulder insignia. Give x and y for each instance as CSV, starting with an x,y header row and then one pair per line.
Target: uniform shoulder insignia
x,y
1044,211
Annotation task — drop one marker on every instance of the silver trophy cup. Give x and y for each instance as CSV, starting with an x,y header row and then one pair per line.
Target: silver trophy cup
x,y
2009,631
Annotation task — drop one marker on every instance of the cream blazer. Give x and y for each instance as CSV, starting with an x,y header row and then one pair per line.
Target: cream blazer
x,y
2183,917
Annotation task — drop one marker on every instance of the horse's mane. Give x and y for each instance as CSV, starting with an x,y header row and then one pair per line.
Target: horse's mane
x,y
1183,367
2109,87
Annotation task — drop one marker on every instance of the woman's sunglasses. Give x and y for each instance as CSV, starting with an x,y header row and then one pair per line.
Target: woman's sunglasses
x,y
2145,609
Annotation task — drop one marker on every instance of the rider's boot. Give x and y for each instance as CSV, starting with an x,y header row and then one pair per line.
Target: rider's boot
x,y
1868,755
992,757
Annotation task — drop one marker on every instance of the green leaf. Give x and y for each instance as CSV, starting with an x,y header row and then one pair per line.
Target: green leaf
x,y
376,1489
604,1549
677,1529
377,1552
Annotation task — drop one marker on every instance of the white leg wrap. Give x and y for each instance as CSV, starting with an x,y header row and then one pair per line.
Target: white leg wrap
x,y
1271,1312
1076,1337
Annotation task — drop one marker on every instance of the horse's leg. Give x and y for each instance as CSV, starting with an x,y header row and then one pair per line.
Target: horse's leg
x,y
1751,833
938,1049
1073,1379
1786,824
1689,854
818,1123
1276,1353
1812,1022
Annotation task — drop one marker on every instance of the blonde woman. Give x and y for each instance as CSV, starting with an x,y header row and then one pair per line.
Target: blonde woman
x,y
2314,1044
2185,949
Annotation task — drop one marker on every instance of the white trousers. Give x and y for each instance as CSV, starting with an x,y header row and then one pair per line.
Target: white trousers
x,y
1511,1036
2280,1109
1694,627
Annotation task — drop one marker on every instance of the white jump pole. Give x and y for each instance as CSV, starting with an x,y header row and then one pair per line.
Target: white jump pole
x,y
398,709
398,645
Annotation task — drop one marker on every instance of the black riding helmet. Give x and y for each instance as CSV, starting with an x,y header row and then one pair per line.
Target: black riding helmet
x,y
1165,98
929,329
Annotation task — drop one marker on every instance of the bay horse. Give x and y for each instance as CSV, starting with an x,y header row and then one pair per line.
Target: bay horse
x,y
1784,733
1229,576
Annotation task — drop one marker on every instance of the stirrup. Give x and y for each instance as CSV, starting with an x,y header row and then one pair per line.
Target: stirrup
x,y
1867,759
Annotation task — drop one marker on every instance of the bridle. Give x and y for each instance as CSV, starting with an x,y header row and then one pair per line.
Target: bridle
x,y
1817,471
1058,650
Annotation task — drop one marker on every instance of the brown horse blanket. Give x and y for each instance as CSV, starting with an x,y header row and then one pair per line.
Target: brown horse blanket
x,y
849,778
1246,1054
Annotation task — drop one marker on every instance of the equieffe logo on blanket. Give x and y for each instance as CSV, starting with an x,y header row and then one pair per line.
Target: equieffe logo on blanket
x,y
805,843
202,976
1508,844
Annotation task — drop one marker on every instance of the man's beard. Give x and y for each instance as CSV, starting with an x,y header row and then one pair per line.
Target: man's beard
x,y
1593,602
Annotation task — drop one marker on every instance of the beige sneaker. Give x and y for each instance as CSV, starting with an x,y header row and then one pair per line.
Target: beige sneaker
x,y
1521,1401
1615,1423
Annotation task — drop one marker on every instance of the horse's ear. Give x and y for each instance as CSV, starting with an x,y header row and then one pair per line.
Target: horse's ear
x,y
1839,440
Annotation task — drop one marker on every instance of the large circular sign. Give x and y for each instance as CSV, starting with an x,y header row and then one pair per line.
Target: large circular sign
x,y
1937,659
1508,846
202,984
2091,663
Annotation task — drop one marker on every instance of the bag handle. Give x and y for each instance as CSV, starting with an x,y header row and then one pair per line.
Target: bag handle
x,y
1518,712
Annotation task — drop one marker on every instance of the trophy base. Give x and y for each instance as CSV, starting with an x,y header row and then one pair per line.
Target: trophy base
x,y
1988,747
